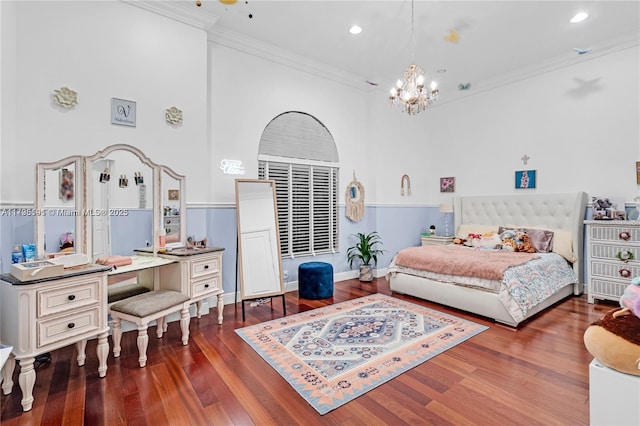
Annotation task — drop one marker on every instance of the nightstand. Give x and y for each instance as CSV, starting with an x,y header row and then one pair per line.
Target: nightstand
x,y
435,240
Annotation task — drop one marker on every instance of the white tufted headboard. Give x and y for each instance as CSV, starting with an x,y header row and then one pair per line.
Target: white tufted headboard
x,y
558,211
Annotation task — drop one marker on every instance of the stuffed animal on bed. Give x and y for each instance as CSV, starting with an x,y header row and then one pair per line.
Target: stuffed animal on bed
x,y
614,340
523,243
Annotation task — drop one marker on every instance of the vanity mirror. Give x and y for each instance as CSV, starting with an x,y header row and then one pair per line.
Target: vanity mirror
x,y
59,207
172,206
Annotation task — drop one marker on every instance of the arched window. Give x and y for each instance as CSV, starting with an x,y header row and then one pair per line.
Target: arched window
x,y
299,154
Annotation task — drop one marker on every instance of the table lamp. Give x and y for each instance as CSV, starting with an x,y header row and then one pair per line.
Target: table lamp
x,y
446,208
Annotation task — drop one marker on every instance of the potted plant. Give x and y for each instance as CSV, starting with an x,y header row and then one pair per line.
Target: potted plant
x,y
365,251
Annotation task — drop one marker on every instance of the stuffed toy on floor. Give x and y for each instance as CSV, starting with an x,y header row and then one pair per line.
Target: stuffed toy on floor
x,y
614,339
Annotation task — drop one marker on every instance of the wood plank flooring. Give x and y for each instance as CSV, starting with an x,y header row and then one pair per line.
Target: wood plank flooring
x,y
535,375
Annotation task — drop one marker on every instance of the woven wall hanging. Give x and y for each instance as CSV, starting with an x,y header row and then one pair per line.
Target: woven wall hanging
x,y
355,200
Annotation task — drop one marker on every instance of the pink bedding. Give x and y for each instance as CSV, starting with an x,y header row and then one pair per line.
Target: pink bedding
x,y
459,260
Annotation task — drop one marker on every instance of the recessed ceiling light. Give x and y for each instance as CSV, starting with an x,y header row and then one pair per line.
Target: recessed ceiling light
x,y
579,17
355,30
441,71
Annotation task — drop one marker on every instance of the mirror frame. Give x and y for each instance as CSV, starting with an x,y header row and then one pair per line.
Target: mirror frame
x,y
183,187
246,289
79,194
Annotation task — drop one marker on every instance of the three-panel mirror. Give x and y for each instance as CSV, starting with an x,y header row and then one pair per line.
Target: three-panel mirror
x,y
128,201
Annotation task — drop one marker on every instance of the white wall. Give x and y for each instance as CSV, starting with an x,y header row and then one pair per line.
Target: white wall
x,y
580,126
101,50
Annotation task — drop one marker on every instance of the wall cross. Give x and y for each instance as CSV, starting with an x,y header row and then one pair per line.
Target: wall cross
x,y
524,159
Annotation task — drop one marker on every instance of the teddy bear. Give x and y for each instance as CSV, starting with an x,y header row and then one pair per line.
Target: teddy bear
x,y
614,339
523,243
509,244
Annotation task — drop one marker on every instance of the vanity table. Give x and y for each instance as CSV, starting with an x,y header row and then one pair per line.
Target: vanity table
x,y
43,315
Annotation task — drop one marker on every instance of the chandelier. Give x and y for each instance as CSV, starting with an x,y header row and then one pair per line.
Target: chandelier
x,y
412,95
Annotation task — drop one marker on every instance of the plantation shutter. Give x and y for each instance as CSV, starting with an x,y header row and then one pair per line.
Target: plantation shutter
x,y
299,153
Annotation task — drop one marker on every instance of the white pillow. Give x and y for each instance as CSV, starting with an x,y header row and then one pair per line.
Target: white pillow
x,y
469,228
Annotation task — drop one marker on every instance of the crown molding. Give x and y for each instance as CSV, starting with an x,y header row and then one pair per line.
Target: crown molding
x,y
181,11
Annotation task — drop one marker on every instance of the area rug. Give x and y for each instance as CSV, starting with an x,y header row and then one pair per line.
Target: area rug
x,y
334,354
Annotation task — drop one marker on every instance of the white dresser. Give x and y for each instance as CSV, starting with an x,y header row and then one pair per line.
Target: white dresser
x,y
613,257
40,316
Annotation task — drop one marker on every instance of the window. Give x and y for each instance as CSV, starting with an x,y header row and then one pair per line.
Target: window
x,y
299,154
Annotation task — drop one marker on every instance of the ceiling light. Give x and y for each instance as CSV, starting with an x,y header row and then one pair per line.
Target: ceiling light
x,y
579,17
412,94
355,29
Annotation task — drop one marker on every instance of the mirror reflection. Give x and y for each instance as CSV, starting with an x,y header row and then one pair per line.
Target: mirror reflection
x,y
58,206
172,193
121,192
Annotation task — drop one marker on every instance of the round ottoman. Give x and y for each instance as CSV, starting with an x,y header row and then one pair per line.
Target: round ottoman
x,y
315,280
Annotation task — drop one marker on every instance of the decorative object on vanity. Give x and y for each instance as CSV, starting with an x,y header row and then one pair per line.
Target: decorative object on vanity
x,y
608,208
447,184
173,115
634,214
613,250
65,97
259,255
405,178
364,252
526,179
411,94
362,343
30,271
355,200
123,182
123,112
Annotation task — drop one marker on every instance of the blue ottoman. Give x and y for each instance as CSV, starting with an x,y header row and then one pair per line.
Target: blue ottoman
x,y
315,280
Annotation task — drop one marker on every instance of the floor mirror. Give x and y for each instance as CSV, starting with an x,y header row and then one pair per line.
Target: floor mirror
x,y
259,259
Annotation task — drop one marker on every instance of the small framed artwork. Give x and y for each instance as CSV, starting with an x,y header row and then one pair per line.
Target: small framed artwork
x,y
123,112
447,184
608,208
66,185
638,172
526,179
174,194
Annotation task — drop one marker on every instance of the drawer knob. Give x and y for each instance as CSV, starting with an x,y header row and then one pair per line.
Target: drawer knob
x,y
625,256
206,286
625,273
624,235
71,325
206,266
71,297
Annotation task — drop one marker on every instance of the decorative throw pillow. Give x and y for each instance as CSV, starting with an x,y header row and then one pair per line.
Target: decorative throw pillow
x,y
541,239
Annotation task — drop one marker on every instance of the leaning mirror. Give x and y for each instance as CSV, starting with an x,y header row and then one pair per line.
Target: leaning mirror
x,y
59,207
122,201
259,257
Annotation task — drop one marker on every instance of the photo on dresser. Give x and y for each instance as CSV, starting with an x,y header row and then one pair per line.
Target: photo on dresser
x,y
608,208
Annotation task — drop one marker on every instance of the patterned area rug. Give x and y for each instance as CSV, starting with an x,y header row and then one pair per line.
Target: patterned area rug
x,y
334,354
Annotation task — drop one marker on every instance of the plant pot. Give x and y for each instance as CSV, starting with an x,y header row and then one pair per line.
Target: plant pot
x,y
366,273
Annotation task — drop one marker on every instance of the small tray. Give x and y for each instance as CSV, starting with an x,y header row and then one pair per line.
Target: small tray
x,y
30,271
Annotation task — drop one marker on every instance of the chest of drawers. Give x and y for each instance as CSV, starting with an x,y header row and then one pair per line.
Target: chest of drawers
x,y
613,257
49,314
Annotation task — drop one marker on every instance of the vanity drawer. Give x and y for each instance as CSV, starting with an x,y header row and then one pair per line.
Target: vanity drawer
x,y
60,299
67,326
209,285
205,266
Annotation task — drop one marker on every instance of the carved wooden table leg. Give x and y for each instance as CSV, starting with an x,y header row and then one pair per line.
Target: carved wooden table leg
x,y
199,308
220,307
117,336
27,379
81,346
143,342
185,318
102,351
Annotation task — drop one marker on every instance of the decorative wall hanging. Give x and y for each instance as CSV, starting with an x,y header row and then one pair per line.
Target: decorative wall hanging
x,y
526,179
65,97
66,184
231,167
447,184
173,115
355,200
105,176
405,178
638,172
173,194
123,112
124,181
138,178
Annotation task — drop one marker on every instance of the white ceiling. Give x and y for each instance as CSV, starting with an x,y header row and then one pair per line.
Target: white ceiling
x,y
500,41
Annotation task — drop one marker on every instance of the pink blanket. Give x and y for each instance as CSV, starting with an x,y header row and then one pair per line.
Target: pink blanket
x,y
458,260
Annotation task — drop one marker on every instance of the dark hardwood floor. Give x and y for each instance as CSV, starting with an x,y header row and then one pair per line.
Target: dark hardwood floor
x,y
537,374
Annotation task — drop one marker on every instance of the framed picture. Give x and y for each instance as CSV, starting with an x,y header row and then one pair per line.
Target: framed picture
x,y
123,112
174,194
447,184
66,185
638,172
526,179
608,208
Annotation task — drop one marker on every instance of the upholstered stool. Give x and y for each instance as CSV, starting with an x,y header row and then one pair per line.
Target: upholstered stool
x,y
315,280
146,307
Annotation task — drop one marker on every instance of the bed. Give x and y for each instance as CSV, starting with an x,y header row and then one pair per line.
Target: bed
x,y
562,214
